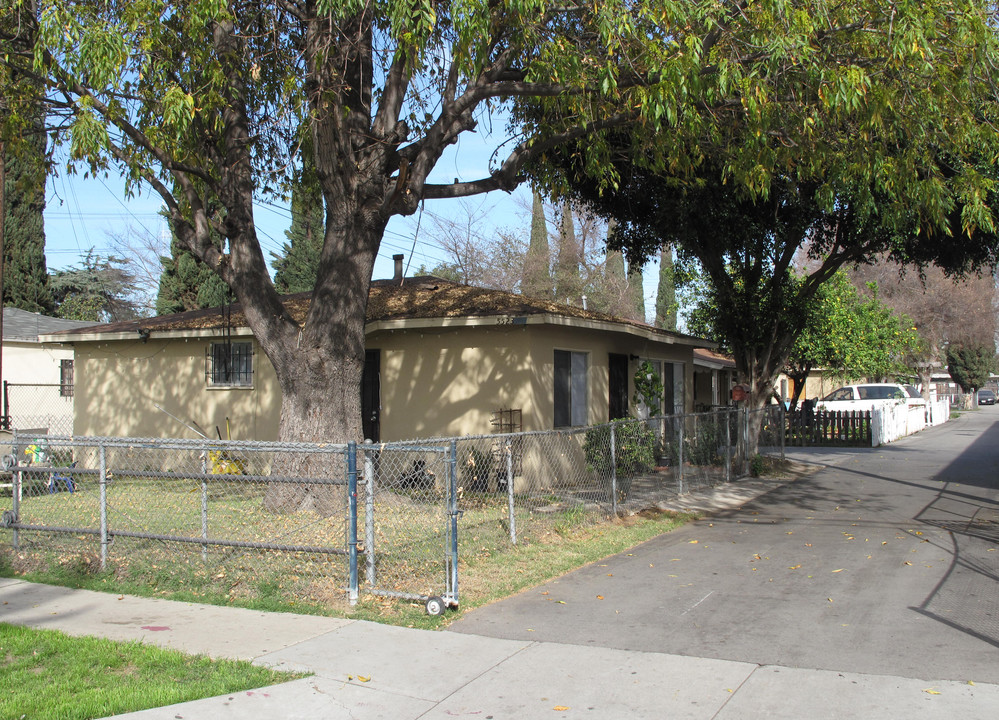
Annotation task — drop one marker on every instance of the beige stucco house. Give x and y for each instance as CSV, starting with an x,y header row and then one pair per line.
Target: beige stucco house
x,y
442,359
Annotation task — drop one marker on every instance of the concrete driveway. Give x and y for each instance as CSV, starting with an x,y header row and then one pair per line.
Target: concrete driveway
x,y
886,561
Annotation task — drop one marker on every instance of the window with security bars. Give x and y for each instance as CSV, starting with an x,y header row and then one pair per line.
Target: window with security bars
x,y
230,364
66,378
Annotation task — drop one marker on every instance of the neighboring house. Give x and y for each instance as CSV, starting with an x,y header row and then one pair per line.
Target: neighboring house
x,y
714,378
38,377
442,359
819,383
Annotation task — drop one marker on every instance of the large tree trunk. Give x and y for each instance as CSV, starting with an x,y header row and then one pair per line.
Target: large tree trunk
x,y
320,370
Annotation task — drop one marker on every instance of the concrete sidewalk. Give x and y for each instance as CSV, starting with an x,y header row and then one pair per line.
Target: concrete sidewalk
x,y
366,671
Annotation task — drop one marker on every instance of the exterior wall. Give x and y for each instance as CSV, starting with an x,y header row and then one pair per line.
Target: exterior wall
x,y
447,382
46,408
442,382
434,382
33,362
818,384
546,339
119,384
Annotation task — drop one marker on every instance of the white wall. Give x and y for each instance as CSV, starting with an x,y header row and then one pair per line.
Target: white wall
x,y
33,362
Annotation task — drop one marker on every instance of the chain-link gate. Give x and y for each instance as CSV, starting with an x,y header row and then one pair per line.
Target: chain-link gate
x,y
411,517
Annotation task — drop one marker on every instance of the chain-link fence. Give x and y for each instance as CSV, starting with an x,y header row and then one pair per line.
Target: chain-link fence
x,y
322,523
240,519
45,409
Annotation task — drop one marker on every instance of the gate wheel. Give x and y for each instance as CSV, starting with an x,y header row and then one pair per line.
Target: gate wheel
x,y
435,606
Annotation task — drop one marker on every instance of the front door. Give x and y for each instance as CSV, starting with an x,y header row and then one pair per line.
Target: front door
x,y
371,404
617,383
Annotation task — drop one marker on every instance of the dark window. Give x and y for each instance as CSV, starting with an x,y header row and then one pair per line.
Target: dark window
x,y
231,364
66,378
570,388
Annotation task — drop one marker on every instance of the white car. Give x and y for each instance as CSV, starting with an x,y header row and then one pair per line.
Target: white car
x,y
870,395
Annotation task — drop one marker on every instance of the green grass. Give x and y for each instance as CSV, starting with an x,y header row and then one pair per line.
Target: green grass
x,y
487,576
410,537
52,676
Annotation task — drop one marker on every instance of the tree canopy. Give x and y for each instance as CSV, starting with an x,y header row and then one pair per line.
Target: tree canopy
x,y
98,289
878,142
971,364
208,103
852,337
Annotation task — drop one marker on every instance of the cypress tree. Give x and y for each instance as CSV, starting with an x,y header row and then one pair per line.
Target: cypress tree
x,y
636,291
568,281
666,305
25,284
536,280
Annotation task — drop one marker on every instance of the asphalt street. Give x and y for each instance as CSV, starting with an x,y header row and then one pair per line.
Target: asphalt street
x,y
885,561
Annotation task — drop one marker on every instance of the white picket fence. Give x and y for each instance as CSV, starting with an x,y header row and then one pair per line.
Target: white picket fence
x,y
890,422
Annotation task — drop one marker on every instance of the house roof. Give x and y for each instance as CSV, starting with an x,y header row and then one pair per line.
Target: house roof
x,y
713,359
419,301
23,326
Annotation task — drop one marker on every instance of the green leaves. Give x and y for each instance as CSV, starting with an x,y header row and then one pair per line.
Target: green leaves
x,y
178,110
853,337
971,364
89,137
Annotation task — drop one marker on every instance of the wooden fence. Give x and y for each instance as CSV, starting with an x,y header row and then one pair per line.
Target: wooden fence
x,y
828,427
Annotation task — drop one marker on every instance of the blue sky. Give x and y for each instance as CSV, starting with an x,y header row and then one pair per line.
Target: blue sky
x,y
82,213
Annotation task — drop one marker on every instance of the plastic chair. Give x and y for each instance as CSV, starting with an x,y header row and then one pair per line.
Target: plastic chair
x,y
67,480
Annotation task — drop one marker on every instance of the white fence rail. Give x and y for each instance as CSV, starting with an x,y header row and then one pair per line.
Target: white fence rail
x,y
890,422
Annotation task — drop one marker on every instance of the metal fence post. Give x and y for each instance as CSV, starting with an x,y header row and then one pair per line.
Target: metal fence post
x,y
728,445
511,506
369,512
679,453
352,592
452,465
783,421
16,487
204,506
745,439
103,503
613,458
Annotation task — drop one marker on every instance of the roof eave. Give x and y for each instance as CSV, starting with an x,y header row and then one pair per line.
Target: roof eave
x,y
647,332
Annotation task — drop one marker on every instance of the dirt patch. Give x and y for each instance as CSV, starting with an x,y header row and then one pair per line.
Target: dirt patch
x,y
649,513
788,469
